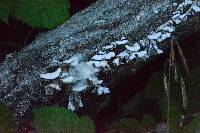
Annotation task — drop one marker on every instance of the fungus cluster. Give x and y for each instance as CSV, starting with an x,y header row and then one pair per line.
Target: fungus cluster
x,y
82,75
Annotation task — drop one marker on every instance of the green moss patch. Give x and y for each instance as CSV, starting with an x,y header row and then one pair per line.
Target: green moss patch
x,y
45,14
58,120
5,9
42,13
7,121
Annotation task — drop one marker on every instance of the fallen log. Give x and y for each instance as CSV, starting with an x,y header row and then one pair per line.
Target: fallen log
x,y
94,50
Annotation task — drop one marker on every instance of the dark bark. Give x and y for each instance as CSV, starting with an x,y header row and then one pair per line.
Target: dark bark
x,y
87,31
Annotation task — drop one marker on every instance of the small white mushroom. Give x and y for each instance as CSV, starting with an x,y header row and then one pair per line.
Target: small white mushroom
x,y
52,75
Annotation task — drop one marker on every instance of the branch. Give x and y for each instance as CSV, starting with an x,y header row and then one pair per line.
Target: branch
x,y
111,38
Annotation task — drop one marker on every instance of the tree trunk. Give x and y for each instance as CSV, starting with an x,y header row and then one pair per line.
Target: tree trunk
x,y
129,28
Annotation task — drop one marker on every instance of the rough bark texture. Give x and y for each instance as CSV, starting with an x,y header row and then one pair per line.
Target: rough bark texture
x,y
89,30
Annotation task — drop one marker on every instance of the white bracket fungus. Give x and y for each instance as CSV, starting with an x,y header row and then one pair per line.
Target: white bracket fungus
x,y
80,73
52,75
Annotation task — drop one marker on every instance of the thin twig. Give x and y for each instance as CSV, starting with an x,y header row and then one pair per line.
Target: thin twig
x,y
183,58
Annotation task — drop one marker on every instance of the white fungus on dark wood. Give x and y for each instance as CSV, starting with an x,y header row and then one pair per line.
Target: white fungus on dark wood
x,y
80,72
50,76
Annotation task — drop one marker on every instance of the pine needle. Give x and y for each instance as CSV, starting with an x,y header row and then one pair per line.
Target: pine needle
x,y
183,59
171,73
184,94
